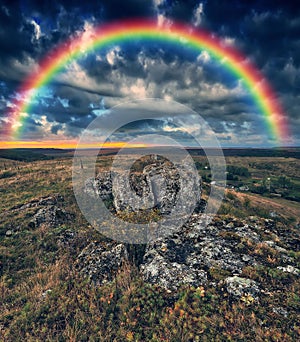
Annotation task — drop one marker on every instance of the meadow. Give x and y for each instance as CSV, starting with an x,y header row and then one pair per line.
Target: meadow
x,y
45,298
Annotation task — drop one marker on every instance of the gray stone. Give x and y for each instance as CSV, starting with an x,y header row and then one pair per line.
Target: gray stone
x,y
246,258
46,293
171,275
42,201
157,186
101,262
280,311
50,216
100,186
183,257
9,233
238,287
289,269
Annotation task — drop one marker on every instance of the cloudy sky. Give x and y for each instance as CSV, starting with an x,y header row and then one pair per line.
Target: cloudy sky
x,y
266,32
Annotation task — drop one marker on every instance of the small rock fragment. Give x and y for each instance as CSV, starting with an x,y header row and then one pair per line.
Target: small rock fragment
x,y
289,269
238,287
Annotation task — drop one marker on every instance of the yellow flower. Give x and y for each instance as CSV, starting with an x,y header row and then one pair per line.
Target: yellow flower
x,y
129,336
247,299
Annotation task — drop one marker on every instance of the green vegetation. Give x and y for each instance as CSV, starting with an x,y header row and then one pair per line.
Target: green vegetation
x,y
238,170
44,298
23,155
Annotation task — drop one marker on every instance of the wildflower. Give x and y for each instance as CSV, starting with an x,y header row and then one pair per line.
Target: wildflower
x,y
247,299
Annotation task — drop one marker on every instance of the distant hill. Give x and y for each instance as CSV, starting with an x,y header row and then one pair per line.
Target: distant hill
x,y
29,154
286,152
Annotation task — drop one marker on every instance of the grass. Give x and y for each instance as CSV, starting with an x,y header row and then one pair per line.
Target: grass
x,y
44,298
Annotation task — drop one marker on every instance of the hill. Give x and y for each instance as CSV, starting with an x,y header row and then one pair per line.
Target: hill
x,y
236,278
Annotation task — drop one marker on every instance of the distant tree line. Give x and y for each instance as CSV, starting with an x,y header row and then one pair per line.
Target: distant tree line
x,y
234,171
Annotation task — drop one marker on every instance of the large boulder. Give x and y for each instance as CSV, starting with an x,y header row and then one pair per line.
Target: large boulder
x,y
158,186
183,257
100,186
171,274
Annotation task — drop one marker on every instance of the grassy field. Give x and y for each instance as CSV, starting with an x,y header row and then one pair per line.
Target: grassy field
x,y
44,298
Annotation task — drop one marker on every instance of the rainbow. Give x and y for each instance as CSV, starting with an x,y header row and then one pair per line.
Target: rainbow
x,y
105,35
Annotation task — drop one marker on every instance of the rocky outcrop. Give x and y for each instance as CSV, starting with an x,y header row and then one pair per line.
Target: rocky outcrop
x,y
189,253
171,274
289,269
100,186
159,186
101,262
51,216
185,258
47,211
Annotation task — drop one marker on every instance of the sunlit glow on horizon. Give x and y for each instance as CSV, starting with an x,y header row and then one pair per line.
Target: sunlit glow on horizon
x,y
68,144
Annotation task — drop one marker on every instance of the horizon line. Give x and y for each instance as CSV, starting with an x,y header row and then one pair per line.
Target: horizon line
x,y
73,145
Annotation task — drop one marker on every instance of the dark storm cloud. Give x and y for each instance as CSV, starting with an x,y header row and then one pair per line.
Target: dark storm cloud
x,y
267,32
150,125
34,128
56,128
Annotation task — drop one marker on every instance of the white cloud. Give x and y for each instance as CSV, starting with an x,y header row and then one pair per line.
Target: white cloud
x,y
162,20
157,3
198,13
86,36
27,66
6,10
37,29
204,57
137,89
77,76
113,55
228,41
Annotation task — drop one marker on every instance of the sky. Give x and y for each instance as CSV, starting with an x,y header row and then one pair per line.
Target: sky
x,y
266,32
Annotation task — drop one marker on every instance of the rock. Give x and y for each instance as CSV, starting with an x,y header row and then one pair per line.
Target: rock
x,y
9,233
230,225
42,201
50,200
246,258
66,238
100,263
273,214
280,311
183,257
270,243
171,275
156,187
239,287
247,231
51,216
281,249
45,293
270,224
48,212
289,269
253,219
100,186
